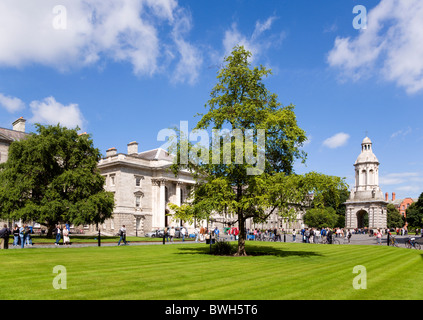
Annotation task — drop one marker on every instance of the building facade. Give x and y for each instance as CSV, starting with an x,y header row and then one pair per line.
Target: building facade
x,y
7,136
143,186
366,198
400,204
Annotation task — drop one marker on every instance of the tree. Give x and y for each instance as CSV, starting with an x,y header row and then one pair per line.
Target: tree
x,y
394,218
321,218
52,177
414,213
247,172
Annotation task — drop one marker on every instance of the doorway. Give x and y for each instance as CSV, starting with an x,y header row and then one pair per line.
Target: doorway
x,y
362,219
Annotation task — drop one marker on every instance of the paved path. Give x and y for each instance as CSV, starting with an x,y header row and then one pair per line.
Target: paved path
x,y
356,239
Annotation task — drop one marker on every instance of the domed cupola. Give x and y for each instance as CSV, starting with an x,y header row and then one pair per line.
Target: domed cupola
x,y
367,172
366,155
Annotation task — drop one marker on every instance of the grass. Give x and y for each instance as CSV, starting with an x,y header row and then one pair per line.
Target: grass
x,y
187,272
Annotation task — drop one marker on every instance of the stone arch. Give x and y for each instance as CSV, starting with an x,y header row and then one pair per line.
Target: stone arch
x,y
362,218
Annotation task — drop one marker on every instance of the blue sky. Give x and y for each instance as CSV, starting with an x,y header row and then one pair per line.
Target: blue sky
x,y
123,70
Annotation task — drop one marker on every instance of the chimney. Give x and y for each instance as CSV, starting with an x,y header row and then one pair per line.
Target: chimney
x,y
19,125
111,152
393,196
386,196
133,147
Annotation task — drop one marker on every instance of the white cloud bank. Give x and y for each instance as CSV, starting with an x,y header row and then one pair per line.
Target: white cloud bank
x,y
391,46
11,104
51,112
145,33
338,140
258,42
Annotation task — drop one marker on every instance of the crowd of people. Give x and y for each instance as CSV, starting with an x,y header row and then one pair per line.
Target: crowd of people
x,y
22,235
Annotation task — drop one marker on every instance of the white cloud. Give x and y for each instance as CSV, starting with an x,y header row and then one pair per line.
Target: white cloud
x,y
11,104
51,112
337,140
399,178
391,47
257,43
401,133
130,31
187,69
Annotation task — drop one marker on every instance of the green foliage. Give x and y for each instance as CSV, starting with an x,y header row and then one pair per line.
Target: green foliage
x,y
394,218
414,213
52,177
241,103
223,248
321,218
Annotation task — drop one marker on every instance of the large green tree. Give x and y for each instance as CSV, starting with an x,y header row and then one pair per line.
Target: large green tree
x,y
321,218
52,177
394,218
414,213
247,173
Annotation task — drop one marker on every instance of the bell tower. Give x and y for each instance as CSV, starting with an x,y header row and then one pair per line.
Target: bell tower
x,y
366,198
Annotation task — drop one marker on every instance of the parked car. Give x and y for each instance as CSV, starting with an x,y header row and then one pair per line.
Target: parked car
x,y
155,234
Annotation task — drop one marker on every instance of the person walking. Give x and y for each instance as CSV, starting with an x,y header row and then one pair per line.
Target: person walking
x,y
66,239
27,236
22,235
58,234
349,235
202,231
183,231
329,236
379,237
172,233
4,235
216,233
122,234
16,235
294,235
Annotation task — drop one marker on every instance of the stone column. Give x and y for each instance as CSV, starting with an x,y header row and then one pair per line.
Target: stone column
x,y
158,204
162,203
178,193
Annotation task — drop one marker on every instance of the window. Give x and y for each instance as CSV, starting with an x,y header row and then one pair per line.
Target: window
x,y
138,180
138,195
112,180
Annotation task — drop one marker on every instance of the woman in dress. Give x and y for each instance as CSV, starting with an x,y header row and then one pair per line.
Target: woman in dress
x,y
66,239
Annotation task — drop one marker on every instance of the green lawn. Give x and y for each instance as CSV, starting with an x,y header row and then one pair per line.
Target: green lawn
x,y
186,271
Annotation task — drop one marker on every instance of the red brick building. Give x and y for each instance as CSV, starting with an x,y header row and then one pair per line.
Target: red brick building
x,y
400,204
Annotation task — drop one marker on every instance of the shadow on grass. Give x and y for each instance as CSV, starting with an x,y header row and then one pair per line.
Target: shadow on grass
x,y
252,251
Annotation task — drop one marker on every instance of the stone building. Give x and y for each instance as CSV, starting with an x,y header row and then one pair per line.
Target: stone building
x,y
7,136
366,198
143,186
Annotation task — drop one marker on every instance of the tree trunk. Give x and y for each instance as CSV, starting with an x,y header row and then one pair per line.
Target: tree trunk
x,y
50,229
241,236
